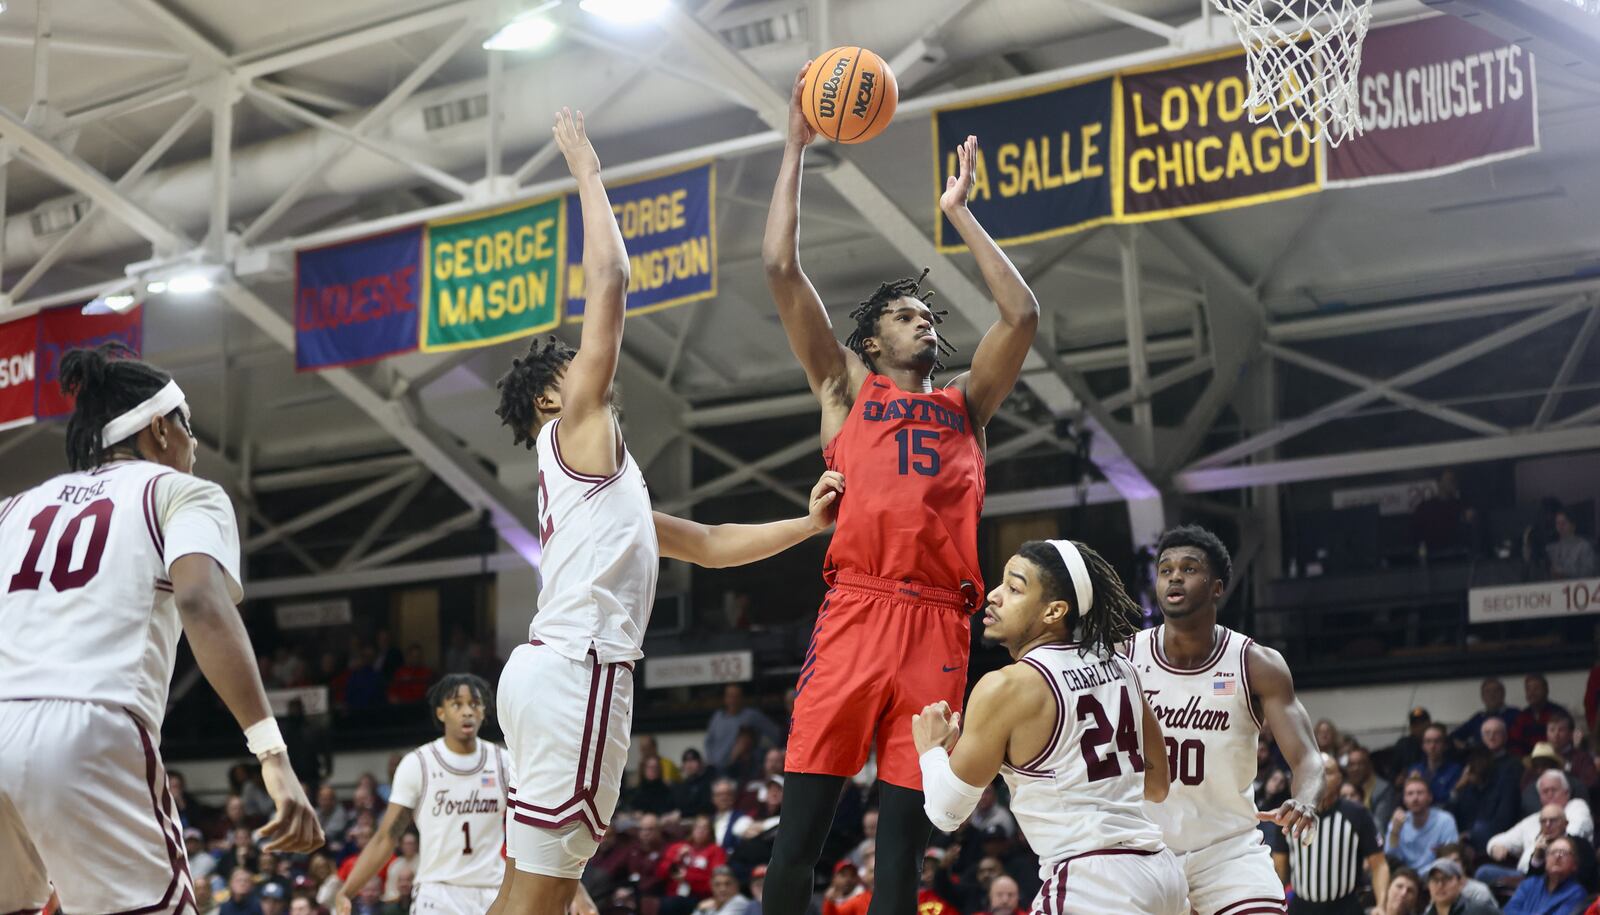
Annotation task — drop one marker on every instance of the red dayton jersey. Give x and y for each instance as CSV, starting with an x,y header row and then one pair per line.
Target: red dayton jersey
x,y
913,488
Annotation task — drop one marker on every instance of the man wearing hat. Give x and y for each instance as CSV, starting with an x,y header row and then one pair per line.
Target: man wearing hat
x,y
1546,758
273,898
1407,751
201,864
1445,881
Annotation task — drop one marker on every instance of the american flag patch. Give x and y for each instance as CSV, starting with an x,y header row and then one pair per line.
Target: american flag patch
x,y
1222,687
488,781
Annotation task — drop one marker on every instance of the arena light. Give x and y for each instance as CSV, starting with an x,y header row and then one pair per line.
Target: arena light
x,y
526,32
190,283
156,287
627,12
116,303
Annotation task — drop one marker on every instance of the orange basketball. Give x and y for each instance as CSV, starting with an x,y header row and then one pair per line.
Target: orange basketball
x,y
850,95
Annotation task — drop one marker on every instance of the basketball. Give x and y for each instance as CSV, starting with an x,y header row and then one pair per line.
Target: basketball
x,y
850,95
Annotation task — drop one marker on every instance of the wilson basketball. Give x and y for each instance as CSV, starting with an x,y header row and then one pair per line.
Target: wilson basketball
x,y
850,95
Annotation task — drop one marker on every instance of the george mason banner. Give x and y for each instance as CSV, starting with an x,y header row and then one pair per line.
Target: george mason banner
x,y
492,276
669,227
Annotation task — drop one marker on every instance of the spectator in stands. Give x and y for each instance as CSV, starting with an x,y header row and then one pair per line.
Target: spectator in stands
x,y
1445,884
760,831
1271,792
1559,892
364,688
309,753
1543,759
1419,828
325,880
608,867
403,869
1578,761
846,884
370,900
334,816
201,863
1003,897
651,794
990,813
686,868
409,683
359,834
290,666
241,894
1442,773
745,759
1407,751
726,723
240,853
272,898
246,785
647,748
204,902
1328,737
387,785
457,657
1376,793
1570,556
1484,799
1562,813
386,658
1405,893
755,790
855,903
1441,522
365,799
1328,879
1493,694
928,901
968,894
1529,726
727,822
693,793
758,886
869,838
725,896
644,858
1473,891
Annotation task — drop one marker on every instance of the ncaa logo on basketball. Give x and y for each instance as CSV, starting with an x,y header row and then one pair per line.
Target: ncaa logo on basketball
x,y
864,94
830,89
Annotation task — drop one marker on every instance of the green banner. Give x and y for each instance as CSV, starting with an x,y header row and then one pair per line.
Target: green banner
x,y
493,276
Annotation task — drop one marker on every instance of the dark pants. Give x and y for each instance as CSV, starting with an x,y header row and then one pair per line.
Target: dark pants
x,y
1348,905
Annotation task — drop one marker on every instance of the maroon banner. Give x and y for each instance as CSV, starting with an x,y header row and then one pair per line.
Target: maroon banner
x,y
63,329
1437,95
17,339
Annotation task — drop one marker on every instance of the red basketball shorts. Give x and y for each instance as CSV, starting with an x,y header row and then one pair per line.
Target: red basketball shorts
x,y
881,651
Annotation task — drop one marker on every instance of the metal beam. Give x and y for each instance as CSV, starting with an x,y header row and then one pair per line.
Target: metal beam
x,y
76,174
787,454
364,469
1133,322
1575,354
39,109
418,540
1173,376
1437,365
387,576
755,471
309,96
1438,309
1447,414
333,507
381,523
94,47
256,65
182,33
1579,418
1167,33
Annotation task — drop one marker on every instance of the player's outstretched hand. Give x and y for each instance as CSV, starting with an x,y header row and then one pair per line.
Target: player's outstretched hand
x,y
1297,819
936,726
294,827
800,131
582,903
959,185
574,144
825,498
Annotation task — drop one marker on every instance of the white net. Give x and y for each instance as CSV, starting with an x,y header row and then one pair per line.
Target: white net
x,y
1303,58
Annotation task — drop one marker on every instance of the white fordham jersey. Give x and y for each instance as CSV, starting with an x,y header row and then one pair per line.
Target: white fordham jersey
x,y
1211,729
1084,791
459,805
86,603
600,557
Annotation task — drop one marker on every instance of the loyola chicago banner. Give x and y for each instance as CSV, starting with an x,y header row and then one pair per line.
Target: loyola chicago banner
x,y
492,276
669,227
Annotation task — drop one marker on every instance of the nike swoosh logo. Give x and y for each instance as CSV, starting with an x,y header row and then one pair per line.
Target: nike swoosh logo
x,y
949,669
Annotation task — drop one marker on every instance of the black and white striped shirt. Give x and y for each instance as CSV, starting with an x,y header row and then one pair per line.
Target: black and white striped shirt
x,y
1329,869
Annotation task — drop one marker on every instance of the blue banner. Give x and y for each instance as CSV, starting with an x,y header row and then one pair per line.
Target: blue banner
x,y
669,226
1045,162
356,301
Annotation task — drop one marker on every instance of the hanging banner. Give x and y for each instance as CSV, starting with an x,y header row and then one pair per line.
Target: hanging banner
x,y
1044,166
68,328
669,227
357,301
1437,95
492,276
1188,145
17,340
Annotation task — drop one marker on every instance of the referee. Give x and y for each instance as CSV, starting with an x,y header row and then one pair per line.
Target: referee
x,y
1326,875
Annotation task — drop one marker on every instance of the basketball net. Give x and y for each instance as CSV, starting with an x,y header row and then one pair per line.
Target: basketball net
x,y
1303,58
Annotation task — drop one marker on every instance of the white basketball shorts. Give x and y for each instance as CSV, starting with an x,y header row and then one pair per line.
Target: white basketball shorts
x,y
84,806
566,724
1234,877
1113,880
445,899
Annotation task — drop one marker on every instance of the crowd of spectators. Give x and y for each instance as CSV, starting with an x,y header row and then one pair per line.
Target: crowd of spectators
x,y
373,674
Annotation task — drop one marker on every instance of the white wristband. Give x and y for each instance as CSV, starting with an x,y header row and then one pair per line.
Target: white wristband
x,y
947,799
263,738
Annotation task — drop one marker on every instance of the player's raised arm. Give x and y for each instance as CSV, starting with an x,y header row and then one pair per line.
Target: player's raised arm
x,y
998,359
717,546
396,820
957,763
828,364
587,430
222,649
1286,718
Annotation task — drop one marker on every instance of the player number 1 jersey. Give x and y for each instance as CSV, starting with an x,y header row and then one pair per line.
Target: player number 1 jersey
x,y
459,805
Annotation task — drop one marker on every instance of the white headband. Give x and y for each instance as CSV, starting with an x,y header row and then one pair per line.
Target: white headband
x,y
1078,570
161,403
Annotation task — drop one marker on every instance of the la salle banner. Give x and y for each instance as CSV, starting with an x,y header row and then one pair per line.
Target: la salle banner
x,y
492,276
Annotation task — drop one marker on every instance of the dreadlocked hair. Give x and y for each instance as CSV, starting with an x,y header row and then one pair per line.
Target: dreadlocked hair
x,y
105,382
868,313
450,684
529,377
1203,540
1113,618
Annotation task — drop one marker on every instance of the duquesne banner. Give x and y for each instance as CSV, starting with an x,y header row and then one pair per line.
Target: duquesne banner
x,y
357,301
1160,142
31,348
492,276
669,226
